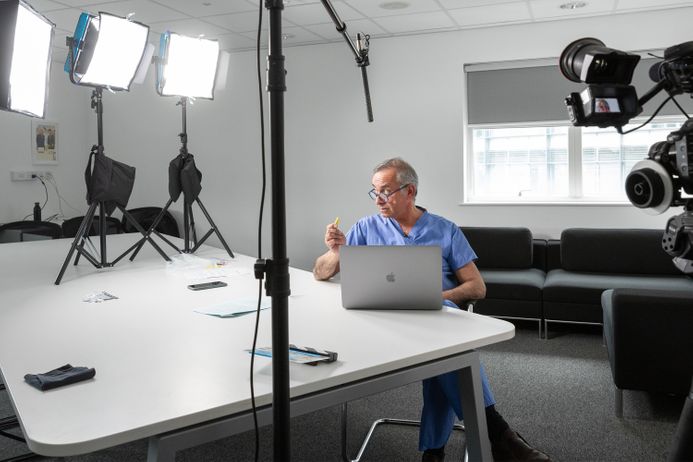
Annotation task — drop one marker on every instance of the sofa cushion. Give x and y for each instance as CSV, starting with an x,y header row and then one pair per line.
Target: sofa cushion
x,y
509,248
624,251
524,309
521,284
646,355
587,288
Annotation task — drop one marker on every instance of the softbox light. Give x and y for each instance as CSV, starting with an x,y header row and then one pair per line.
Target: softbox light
x,y
25,55
106,51
187,66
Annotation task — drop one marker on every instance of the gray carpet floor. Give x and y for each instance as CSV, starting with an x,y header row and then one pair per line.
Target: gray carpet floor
x,y
557,393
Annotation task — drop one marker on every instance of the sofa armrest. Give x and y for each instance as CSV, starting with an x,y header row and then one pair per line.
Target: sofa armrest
x,y
553,254
648,339
539,253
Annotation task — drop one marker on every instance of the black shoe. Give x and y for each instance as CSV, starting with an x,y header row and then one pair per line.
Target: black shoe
x,y
510,446
435,455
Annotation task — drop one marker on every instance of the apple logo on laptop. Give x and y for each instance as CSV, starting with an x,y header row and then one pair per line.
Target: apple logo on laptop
x,y
390,277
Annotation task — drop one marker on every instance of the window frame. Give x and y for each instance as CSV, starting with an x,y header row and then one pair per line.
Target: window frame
x,y
575,194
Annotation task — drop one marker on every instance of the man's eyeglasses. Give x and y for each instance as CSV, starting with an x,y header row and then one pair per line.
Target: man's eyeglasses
x,y
385,196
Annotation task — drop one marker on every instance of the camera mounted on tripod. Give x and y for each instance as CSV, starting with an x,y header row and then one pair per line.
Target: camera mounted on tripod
x,y
656,183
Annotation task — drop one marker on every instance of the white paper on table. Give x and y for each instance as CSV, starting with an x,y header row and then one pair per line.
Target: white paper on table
x,y
236,307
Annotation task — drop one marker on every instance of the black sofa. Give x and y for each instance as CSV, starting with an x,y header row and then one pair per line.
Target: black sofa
x,y
563,280
648,338
594,260
512,264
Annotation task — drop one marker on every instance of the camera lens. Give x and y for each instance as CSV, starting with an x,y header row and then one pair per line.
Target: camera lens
x,y
644,188
573,57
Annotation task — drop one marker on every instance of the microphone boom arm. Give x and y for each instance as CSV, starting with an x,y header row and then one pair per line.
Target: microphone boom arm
x,y
360,52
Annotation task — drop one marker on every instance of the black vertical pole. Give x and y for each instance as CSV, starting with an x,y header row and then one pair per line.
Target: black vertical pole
x,y
99,152
279,272
187,207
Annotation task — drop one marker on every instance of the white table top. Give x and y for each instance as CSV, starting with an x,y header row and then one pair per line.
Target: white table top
x,y
161,366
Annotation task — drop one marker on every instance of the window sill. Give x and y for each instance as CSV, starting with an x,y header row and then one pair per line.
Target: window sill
x,y
562,203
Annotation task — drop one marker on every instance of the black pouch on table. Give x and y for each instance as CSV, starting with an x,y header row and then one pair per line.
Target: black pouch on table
x,y
64,375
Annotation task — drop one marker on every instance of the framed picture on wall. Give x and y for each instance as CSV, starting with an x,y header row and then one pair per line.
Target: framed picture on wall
x,y
44,142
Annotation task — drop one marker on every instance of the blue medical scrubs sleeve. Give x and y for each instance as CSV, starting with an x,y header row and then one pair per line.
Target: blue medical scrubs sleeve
x,y
461,252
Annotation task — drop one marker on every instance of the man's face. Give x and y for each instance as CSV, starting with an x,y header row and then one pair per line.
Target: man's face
x,y
385,181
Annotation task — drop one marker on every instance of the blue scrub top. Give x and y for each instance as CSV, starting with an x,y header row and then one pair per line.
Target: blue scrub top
x,y
428,230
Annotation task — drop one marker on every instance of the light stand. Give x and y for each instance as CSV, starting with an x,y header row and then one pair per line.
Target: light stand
x,y
184,176
277,269
105,206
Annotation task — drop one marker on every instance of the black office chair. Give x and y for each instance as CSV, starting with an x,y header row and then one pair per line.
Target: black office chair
x,y
469,306
145,216
19,231
71,226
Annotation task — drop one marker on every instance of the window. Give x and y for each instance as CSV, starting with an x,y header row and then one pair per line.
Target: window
x,y
556,162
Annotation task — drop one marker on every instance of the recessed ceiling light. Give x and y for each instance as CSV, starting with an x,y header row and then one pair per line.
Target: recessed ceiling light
x,y
394,5
573,5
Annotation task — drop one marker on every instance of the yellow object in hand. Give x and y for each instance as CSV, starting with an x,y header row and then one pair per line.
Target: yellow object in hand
x,y
336,222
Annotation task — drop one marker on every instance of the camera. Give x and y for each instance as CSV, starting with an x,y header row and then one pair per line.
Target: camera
x,y
656,183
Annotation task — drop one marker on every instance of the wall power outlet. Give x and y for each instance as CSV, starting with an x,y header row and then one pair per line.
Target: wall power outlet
x,y
28,175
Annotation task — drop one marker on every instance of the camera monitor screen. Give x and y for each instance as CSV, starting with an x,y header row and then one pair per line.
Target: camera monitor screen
x,y
602,105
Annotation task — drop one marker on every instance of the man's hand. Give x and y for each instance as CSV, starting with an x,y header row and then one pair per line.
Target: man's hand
x,y
327,264
334,237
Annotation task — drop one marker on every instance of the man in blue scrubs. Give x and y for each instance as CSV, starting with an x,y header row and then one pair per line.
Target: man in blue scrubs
x,y
400,222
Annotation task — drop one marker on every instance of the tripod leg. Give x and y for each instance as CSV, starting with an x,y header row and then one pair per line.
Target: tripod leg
x,y
143,232
78,237
214,227
84,233
192,227
152,229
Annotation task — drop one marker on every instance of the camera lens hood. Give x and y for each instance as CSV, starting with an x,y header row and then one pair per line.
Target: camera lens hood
x,y
573,56
650,187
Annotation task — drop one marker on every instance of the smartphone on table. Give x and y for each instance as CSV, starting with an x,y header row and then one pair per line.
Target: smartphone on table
x,y
207,285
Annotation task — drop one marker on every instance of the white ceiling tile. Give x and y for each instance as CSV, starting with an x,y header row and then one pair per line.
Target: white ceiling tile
x,y
199,8
64,19
237,22
45,5
193,27
372,8
491,14
317,14
296,35
415,22
546,9
650,4
454,4
145,11
329,31
234,42
81,3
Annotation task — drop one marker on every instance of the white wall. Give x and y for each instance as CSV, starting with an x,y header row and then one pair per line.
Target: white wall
x,y
68,106
417,88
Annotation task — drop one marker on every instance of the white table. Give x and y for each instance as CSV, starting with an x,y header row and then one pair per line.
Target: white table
x,y
180,378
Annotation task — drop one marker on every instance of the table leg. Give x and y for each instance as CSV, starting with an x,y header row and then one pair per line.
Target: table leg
x,y
478,444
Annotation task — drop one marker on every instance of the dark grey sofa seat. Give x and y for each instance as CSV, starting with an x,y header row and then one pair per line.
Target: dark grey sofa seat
x,y
594,260
648,338
514,279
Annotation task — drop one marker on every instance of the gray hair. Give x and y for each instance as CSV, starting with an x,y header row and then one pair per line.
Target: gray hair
x,y
405,172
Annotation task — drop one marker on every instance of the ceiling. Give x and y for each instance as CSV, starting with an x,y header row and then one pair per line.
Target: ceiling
x,y
234,22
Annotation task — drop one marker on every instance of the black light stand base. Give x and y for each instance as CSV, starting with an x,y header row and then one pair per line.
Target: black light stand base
x,y
82,236
189,229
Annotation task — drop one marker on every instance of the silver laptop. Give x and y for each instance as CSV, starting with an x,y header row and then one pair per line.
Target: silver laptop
x,y
391,277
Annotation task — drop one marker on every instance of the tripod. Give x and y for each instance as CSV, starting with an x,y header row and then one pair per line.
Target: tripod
x,y
183,176
109,185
